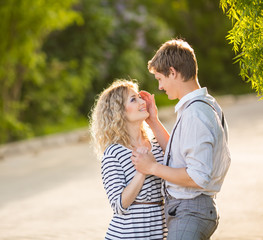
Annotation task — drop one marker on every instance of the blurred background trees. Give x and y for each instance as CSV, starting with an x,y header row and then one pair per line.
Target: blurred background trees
x,y
56,56
34,91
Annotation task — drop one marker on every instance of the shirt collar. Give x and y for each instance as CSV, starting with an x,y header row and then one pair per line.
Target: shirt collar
x,y
196,93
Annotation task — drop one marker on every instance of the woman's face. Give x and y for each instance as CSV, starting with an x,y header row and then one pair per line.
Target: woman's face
x,y
135,107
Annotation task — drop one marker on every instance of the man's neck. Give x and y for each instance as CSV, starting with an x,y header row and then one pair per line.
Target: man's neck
x,y
188,87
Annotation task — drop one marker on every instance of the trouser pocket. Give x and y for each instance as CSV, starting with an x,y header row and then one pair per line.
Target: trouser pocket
x,y
193,219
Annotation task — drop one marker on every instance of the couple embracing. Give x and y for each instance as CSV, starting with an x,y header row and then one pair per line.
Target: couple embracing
x,y
161,185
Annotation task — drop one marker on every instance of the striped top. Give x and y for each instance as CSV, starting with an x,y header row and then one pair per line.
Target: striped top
x,y
138,221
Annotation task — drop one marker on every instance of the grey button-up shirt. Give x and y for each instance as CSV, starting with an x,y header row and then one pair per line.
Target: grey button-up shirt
x,y
200,145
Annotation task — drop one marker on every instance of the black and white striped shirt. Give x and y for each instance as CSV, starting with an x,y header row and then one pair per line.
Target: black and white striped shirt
x,y
137,221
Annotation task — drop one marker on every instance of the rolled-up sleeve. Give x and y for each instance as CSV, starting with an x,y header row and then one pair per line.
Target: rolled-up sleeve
x,y
114,182
197,149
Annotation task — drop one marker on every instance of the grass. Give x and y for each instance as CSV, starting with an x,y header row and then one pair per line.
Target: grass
x,y
67,125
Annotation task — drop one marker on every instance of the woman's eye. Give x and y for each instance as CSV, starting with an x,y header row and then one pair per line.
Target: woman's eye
x,y
133,99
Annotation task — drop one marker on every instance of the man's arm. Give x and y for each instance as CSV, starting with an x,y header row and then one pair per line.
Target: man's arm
x,y
153,121
146,164
161,134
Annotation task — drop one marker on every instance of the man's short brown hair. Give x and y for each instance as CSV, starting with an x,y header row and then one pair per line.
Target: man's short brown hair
x,y
178,54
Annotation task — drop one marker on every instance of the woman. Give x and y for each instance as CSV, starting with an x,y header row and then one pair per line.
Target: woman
x,y
117,127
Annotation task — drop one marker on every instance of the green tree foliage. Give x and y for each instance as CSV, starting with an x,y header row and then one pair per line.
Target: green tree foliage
x,y
24,75
115,41
246,36
56,56
204,26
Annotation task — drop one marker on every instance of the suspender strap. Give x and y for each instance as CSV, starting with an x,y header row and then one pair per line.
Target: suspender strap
x,y
171,139
198,100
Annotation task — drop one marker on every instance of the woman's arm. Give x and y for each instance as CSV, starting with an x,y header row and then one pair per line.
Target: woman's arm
x,y
132,190
130,193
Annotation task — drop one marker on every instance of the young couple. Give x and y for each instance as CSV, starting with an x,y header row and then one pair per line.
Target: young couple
x,y
141,167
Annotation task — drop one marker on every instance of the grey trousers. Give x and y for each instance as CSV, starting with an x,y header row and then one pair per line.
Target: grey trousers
x,y
191,219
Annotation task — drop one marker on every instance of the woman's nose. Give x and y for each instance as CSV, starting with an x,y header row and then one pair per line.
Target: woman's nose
x,y
142,101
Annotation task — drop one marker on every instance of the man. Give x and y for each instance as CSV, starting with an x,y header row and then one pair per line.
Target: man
x,y
196,155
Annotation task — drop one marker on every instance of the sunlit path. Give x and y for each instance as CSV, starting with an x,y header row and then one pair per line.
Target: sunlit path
x,y
58,193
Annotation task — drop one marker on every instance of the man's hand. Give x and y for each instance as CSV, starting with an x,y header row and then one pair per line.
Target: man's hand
x,y
151,106
143,161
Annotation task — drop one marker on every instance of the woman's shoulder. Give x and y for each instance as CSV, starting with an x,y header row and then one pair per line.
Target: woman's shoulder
x,y
115,149
156,148
154,142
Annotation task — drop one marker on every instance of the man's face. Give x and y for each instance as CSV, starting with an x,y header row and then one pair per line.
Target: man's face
x,y
168,84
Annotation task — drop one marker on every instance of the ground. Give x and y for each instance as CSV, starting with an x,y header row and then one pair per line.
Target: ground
x,y
54,191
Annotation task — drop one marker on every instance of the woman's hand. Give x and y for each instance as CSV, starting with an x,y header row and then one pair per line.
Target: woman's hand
x,y
142,150
143,161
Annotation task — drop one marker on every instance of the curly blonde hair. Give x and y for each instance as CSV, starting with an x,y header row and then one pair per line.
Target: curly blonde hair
x,y
108,118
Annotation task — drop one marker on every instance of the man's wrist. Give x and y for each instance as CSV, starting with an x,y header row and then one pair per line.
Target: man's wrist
x,y
153,121
154,168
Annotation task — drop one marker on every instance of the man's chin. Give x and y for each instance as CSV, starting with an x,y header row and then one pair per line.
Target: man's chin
x,y
171,97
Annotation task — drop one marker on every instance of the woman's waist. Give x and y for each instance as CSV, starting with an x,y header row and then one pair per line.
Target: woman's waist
x,y
149,201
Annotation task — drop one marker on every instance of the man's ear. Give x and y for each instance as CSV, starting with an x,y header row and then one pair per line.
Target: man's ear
x,y
173,71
